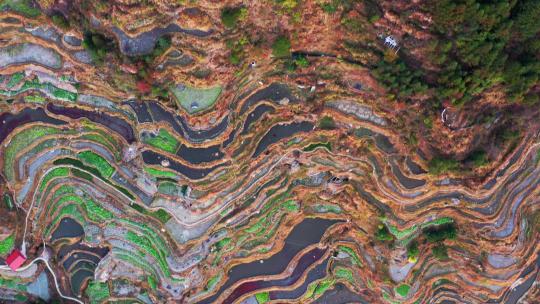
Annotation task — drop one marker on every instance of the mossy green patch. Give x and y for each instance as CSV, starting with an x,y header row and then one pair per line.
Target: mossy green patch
x,y
195,100
355,259
403,290
152,282
97,292
160,173
24,7
262,297
314,146
344,273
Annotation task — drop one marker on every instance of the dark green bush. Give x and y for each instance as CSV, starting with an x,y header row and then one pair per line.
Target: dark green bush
x,y
98,46
413,251
446,232
478,158
382,234
281,47
440,252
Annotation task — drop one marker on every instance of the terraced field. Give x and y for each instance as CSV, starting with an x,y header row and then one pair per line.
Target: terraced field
x,y
239,187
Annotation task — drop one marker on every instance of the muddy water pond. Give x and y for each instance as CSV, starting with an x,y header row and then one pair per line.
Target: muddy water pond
x,y
113,123
9,121
68,228
279,132
307,233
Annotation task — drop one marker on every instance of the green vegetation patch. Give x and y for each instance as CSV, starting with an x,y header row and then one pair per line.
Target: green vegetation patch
x,y
314,146
15,79
440,252
440,165
8,201
152,282
96,212
160,173
47,87
413,252
160,214
97,161
24,7
97,292
81,174
355,259
7,244
56,172
164,141
323,286
98,46
195,100
20,141
14,284
327,208
146,243
448,231
34,99
231,15
382,233
344,273
281,47
212,282
262,297
403,290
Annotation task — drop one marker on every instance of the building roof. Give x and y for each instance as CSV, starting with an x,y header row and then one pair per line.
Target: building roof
x,y
15,259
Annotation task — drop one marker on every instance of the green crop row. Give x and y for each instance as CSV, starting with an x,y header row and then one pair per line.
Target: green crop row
x,y
159,173
97,161
20,141
158,240
147,245
97,292
356,260
316,289
56,172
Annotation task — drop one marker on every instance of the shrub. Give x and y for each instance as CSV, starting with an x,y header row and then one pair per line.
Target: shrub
x,y
231,15
301,61
281,47
97,45
60,21
440,165
413,252
440,252
382,233
478,158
